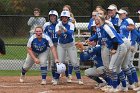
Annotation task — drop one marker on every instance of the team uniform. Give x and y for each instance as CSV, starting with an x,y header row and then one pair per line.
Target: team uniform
x,y
130,36
116,22
49,29
108,37
41,51
94,55
91,22
66,43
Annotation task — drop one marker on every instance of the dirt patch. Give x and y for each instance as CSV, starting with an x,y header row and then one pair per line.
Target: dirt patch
x,y
10,84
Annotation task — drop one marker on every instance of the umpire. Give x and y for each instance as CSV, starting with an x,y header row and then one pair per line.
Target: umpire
x,y
2,47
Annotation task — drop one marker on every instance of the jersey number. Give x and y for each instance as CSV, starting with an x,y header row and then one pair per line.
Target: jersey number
x,y
65,35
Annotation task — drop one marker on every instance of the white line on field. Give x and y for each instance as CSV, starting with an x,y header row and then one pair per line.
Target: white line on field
x,y
49,91
6,86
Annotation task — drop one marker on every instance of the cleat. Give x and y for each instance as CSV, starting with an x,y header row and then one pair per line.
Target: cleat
x,y
105,88
100,85
70,76
43,82
112,90
124,89
80,82
22,77
69,80
52,80
131,87
55,82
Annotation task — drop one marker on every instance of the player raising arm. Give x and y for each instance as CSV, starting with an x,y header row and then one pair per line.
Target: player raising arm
x,y
66,43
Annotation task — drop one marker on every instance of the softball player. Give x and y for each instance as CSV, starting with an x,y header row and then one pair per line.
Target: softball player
x,y
49,29
93,53
127,29
91,22
36,20
2,47
113,16
110,39
37,48
66,43
73,20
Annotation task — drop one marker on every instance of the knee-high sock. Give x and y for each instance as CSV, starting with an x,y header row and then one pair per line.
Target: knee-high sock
x,y
53,70
43,72
23,71
77,71
66,72
70,68
129,75
114,79
57,76
106,78
121,77
134,74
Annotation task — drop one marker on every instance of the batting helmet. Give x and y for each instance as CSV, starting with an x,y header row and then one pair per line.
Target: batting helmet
x,y
61,68
53,12
65,13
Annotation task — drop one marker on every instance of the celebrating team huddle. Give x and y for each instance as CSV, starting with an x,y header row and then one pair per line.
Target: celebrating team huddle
x,y
111,47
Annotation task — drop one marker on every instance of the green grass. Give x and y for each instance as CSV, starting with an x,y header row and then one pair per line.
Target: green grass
x,y
33,73
29,73
17,73
15,52
16,40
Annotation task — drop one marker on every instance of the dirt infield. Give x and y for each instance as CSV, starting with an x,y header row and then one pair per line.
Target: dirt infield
x,y
32,85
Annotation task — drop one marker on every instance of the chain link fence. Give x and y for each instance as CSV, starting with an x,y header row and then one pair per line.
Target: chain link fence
x,y
14,15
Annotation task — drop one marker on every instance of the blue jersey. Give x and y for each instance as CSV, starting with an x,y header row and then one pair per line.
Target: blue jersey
x,y
115,21
123,27
107,36
39,46
68,36
90,23
135,37
94,54
132,35
138,39
97,36
49,29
